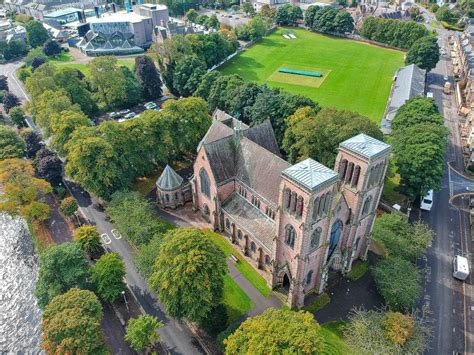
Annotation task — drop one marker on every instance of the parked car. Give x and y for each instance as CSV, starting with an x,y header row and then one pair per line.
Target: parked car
x,y
124,112
460,267
130,115
157,109
114,114
122,120
446,77
150,105
427,201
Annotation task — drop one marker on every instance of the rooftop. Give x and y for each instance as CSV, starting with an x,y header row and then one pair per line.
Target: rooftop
x,y
63,12
310,174
365,146
117,17
169,179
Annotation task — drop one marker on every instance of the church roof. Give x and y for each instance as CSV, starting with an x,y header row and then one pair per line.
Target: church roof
x,y
310,174
366,146
169,179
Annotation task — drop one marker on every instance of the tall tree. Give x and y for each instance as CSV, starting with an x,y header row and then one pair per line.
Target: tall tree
x,y
32,142
11,144
424,53
189,274
3,83
71,324
149,77
21,191
63,266
36,34
188,74
417,110
63,125
107,276
51,48
292,333
142,332
133,89
9,101
191,15
48,166
88,238
17,116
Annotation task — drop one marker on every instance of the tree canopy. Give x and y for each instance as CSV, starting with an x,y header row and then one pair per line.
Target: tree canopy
x,y
291,332
63,125
418,109
107,276
142,332
188,274
288,15
48,166
148,77
71,324
11,144
62,267
32,142
88,238
36,34
424,53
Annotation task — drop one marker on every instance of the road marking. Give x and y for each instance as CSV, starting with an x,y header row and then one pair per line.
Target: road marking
x,y
105,238
116,234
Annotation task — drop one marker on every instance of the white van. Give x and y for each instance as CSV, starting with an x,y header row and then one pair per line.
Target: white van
x,y
460,267
427,201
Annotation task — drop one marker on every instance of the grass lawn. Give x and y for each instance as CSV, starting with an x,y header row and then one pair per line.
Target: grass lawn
x,y
243,266
356,76
358,270
127,62
235,300
144,185
318,303
61,58
332,335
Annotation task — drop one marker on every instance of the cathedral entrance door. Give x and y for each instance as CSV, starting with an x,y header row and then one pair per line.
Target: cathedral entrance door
x,y
336,231
286,284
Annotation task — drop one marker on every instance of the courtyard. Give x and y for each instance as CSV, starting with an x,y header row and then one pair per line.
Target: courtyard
x,y
356,76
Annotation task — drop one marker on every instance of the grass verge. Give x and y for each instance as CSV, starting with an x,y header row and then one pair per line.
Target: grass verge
x,y
358,270
332,334
144,185
318,303
243,266
235,300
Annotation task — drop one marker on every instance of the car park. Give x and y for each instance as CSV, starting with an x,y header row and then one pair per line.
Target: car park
x,y
130,115
124,112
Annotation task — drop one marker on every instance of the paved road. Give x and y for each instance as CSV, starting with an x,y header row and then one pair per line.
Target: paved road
x,y
175,335
448,300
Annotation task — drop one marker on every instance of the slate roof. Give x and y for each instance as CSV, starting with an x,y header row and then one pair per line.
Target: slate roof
x,y
366,146
310,174
169,179
263,135
253,221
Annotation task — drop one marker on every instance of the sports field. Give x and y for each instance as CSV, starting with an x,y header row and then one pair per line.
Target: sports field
x,y
356,76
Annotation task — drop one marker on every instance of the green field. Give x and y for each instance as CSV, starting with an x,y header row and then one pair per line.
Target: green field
x,y
356,76
127,62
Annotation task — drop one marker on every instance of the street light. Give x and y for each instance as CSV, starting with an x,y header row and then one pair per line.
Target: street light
x,y
125,299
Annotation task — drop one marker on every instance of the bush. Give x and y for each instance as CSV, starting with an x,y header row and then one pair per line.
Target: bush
x,y
88,238
225,333
216,320
398,327
68,206
17,116
23,74
59,191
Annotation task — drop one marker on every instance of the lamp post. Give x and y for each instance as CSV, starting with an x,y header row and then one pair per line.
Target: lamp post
x,y
125,299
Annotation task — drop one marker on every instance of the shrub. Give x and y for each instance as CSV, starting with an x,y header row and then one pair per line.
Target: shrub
x,y
398,327
88,238
68,206
59,191
216,321
225,334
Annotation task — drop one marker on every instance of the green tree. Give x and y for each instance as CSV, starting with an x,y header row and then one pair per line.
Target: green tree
x,y
11,144
68,206
325,19
51,48
71,324
36,34
32,142
310,15
213,22
17,116
206,84
9,101
107,78
147,254
317,135
424,53
142,332
188,74
292,332
418,109
133,89
191,16
444,14
419,154
343,22
248,8
62,267
35,53
399,282
189,274
107,276
63,125
88,238
21,191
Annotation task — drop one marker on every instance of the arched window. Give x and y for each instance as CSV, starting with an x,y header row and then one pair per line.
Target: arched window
x,y
355,178
239,234
205,185
315,238
227,223
290,236
342,168
366,208
356,245
267,260
327,202
206,210
309,277
350,169
293,202
315,208
336,231
287,198
253,247
299,207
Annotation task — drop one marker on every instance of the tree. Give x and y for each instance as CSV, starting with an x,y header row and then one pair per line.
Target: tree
x,y
68,206
444,14
248,9
107,276
213,22
142,332
133,89
51,48
398,281
424,53
9,101
37,62
63,125
268,13
21,191
206,84
419,154
36,34
189,274
288,15
188,74
191,16
17,116
32,142
48,166
343,22
317,135
147,254
35,53
292,332
148,77
380,332
418,109
88,238
108,79
3,83
201,19
71,324
62,267
310,14
216,321
11,144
